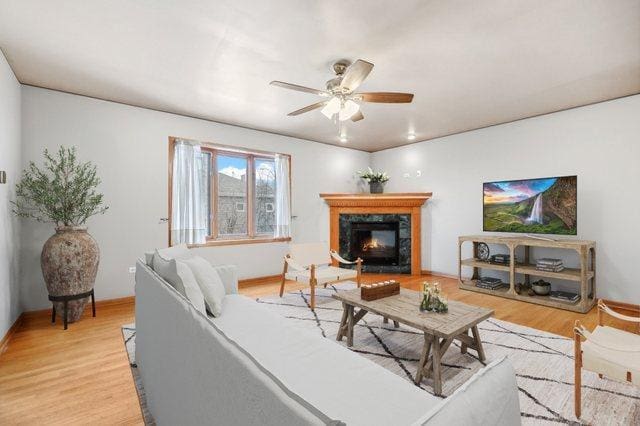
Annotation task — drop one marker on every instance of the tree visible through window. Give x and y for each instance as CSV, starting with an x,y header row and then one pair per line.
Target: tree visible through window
x,y
265,192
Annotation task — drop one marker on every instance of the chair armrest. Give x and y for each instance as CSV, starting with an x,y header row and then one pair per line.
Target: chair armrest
x,y
341,259
294,264
604,308
229,276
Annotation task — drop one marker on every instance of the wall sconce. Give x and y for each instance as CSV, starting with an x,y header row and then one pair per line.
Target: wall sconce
x,y
3,176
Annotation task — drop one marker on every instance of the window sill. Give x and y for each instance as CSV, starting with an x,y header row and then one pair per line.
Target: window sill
x,y
239,241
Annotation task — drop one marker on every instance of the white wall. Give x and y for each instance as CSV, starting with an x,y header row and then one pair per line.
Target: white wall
x,y
9,224
130,147
599,143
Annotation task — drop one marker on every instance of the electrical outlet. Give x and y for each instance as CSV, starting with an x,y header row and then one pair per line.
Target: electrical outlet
x,y
132,269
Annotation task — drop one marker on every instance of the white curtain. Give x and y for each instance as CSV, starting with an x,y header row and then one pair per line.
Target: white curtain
x,y
189,195
283,197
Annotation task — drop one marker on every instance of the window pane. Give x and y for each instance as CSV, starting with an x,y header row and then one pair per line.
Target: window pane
x,y
203,167
232,195
265,191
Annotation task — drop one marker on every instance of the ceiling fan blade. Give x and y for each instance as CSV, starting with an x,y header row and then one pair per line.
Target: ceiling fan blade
x,y
308,108
357,116
299,88
355,75
385,97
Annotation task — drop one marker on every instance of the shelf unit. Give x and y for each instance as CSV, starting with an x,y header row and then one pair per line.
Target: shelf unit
x,y
584,276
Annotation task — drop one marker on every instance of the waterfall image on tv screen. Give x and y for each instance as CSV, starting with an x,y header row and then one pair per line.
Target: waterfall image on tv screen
x,y
534,206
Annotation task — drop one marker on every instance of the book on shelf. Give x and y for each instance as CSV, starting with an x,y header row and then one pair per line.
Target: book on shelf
x,y
550,268
549,262
490,283
500,259
564,296
490,286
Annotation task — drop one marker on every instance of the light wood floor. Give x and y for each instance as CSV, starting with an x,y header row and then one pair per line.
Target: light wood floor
x,y
82,375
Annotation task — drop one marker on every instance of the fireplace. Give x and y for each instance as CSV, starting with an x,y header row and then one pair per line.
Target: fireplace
x,y
376,243
383,229
382,241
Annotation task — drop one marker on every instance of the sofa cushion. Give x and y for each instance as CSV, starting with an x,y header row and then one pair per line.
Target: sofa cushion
x,y
180,277
148,258
335,380
209,281
467,405
180,251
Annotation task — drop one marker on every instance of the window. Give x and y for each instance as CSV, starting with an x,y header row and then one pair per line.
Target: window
x,y
237,192
265,192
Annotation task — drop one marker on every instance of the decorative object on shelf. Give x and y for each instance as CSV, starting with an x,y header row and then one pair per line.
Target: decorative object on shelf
x,y
541,287
433,299
483,251
376,179
3,177
64,192
379,290
522,288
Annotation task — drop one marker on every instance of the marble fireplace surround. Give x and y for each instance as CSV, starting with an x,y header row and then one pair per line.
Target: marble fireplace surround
x,y
404,207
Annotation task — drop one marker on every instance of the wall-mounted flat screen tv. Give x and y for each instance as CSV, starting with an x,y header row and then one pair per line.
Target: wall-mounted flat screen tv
x,y
533,206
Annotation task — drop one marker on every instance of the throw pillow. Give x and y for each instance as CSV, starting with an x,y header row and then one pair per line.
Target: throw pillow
x,y
209,281
190,284
161,262
180,277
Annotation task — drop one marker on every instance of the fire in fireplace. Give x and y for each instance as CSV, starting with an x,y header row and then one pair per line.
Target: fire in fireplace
x,y
376,243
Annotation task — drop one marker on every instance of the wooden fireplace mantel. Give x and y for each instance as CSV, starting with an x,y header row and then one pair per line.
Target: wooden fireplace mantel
x,y
397,199
391,203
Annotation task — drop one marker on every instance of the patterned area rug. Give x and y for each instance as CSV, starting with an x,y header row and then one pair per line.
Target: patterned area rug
x,y
543,361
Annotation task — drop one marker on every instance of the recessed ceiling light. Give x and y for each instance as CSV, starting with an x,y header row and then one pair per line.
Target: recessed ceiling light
x,y
343,139
411,136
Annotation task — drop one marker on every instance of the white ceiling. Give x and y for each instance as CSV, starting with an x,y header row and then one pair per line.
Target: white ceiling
x,y
470,64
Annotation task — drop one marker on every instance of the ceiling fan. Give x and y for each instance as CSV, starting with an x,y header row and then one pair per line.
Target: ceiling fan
x,y
340,92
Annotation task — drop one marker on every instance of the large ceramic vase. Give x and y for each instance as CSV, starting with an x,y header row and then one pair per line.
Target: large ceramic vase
x,y
69,265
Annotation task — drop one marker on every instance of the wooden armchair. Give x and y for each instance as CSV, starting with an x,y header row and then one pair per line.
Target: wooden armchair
x,y
310,263
608,351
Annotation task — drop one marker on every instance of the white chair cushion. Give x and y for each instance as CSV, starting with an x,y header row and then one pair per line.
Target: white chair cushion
x,y
310,253
209,281
612,364
324,275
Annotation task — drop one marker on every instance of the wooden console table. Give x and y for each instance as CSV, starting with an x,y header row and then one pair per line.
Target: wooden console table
x,y
584,276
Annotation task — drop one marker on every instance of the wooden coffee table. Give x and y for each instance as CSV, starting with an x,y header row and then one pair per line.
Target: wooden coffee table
x,y
440,330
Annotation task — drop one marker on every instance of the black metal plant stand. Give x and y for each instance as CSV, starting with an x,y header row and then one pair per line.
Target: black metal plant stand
x,y
65,300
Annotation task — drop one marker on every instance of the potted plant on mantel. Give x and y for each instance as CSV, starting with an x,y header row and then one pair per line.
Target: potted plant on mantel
x,y
376,180
63,191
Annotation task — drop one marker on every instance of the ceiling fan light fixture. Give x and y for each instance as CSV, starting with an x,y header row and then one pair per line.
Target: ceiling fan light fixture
x,y
332,107
349,109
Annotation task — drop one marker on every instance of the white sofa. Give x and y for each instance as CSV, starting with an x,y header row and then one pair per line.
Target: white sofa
x,y
250,366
